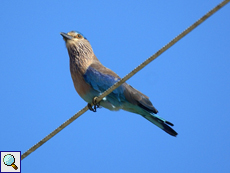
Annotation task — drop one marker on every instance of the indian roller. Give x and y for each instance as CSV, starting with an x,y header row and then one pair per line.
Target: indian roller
x,y
91,78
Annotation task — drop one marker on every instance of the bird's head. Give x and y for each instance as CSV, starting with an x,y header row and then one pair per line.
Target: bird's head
x,y
77,44
72,36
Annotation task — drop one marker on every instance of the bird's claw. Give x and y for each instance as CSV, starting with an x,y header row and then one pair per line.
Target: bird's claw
x,y
95,105
94,101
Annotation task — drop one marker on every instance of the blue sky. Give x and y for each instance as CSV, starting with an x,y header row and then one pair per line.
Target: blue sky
x,y
189,85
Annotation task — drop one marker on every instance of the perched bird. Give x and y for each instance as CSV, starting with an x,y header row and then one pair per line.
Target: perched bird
x,y
91,78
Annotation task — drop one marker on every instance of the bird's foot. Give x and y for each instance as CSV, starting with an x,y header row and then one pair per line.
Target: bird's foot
x,y
95,105
91,108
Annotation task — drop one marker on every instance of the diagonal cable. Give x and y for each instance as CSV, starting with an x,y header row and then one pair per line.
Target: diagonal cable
x,y
163,49
116,85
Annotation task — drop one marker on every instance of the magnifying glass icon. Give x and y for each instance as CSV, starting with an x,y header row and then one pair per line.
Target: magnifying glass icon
x,y
9,160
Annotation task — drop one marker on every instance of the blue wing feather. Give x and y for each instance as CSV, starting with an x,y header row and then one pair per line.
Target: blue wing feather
x,y
101,82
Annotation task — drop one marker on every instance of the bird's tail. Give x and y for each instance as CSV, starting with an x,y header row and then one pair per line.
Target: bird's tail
x,y
160,122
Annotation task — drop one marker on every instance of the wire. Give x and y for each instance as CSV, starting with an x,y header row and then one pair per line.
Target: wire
x,y
52,134
116,85
163,49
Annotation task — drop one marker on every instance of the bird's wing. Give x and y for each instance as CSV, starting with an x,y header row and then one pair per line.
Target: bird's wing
x,y
137,98
101,78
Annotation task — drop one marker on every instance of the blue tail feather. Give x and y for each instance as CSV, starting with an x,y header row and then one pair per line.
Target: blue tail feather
x,y
161,123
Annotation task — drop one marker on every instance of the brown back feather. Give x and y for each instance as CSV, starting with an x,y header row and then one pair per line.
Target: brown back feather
x,y
137,98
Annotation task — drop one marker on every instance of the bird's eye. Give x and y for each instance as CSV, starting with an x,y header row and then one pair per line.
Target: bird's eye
x,y
78,36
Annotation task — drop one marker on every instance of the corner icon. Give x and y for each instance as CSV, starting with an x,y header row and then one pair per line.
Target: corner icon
x,y
10,161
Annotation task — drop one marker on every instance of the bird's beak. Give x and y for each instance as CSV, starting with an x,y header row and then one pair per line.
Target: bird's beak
x,y
66,36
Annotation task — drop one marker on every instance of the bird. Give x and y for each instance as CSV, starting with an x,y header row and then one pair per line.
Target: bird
x,y
91,78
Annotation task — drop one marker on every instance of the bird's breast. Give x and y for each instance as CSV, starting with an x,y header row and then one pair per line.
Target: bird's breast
x,y
79,82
